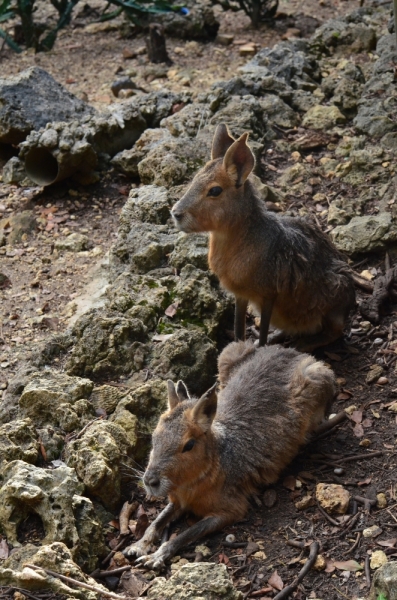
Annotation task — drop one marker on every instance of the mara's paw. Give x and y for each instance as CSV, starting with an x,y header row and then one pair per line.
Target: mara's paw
x,y
155,561
136,550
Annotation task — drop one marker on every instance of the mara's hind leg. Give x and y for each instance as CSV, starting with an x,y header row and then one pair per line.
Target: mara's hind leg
x,y
239,319
332,330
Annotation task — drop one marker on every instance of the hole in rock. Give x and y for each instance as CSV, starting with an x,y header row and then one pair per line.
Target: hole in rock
x,y
31,530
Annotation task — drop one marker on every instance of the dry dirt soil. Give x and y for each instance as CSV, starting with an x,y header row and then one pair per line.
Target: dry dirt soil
x,y
45,281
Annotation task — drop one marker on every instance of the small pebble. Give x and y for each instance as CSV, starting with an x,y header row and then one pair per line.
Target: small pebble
x,y
339,471
382,381
378,341
230,538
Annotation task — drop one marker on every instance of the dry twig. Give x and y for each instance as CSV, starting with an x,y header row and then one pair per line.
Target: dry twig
x,y
287,591
86,586
124,516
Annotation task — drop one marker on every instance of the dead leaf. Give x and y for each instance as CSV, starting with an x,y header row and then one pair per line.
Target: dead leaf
x,y
224,559
333,356
270,498
387,543
275,581
348,565
251,548
357,416
343,396
358,430
4,550
141,525
42,450
171,310
375,414
330,566
114,523
134,583
367,423
365,481
289,482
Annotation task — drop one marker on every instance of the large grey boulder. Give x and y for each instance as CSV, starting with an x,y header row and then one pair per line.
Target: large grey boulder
x,y
384,583
32,99
196,581
365,234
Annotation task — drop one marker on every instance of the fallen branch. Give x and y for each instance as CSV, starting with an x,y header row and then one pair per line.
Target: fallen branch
x,y
104,574
330,519
260,592
124,516
86,586
113,552
367,571
368,503
356,543
287,591
331,423
360,456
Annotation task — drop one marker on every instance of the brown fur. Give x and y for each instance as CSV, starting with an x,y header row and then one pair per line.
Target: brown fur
x,y
285,266
272,399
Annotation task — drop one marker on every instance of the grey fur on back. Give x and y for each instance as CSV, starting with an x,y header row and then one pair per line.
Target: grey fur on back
x,y
273,399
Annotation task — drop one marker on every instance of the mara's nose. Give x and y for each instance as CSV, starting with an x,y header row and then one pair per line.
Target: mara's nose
x,y
177,214
151,480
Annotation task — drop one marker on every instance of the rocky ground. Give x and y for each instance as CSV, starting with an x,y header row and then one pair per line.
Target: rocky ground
x,y
102,301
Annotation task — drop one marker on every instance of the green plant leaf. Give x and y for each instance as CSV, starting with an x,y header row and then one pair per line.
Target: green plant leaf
x,y
10,41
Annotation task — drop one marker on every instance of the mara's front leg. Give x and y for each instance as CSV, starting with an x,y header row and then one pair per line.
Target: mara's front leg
x,y
153,532
266,313
239,319
169,549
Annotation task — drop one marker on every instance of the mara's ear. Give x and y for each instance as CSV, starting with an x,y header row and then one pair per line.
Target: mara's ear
x,y
204,410
181,390
221,142
173,398
239,161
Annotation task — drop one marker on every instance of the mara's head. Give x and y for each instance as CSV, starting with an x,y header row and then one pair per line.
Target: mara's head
x,y
216,192
181,442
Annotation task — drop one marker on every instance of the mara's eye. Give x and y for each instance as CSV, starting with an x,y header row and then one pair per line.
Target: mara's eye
x,y
215,191
188,446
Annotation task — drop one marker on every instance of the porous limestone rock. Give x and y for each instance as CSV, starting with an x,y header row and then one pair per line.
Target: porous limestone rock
x,y
31,99
75,242
350,30
385,582
190,249
138,413
333,498
142,296
106,342
55,557
201,301
365,234
378,559
196,581
148,204
96,456
19,224
107,397
323,117
18,441
198,23
143,246
290,62
188,355
174,161
26,489
14,171
54,398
